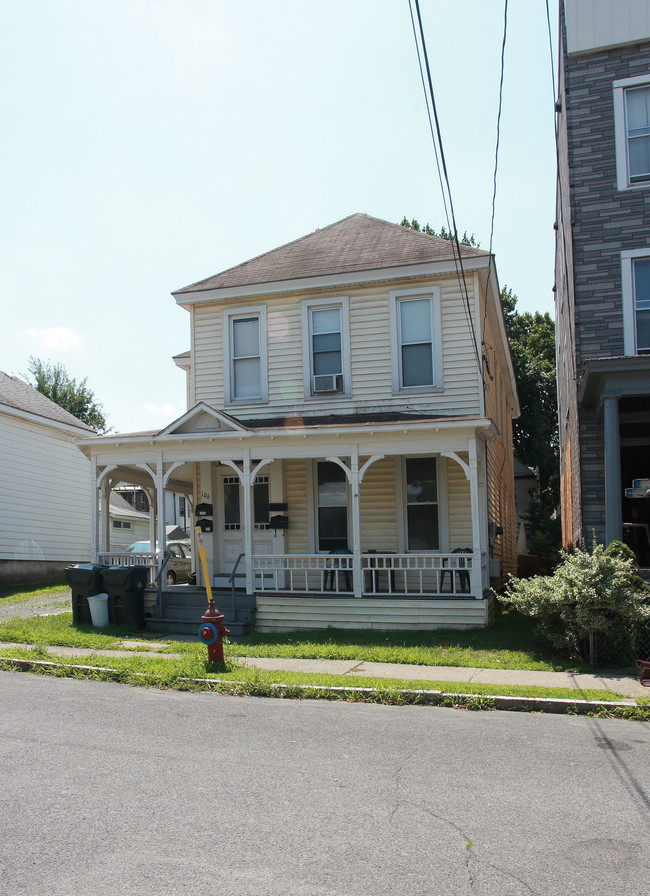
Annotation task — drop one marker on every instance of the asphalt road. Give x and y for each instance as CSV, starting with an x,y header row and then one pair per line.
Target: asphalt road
x,y
108,789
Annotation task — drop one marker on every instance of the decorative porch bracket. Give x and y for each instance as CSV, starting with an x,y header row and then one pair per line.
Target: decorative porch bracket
x,y
354,475
471,474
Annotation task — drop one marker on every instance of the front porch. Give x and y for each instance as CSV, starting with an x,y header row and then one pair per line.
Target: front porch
x,y
347,525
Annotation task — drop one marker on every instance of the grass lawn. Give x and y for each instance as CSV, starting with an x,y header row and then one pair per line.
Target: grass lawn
x,y
19,594
191,671
511,644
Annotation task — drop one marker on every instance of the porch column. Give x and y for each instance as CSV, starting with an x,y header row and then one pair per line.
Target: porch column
x,y
94,511
613,504
159,482
476,576
247,479
355,475
151,496
249,518
104,529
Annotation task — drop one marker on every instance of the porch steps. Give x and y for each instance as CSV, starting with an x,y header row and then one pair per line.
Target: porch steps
x,y
182,609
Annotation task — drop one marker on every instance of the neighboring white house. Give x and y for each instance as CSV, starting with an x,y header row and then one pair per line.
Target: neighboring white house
x,y
350,391
127,523
45,491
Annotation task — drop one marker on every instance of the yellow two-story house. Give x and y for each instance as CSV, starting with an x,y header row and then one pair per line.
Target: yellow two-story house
x,y
347,446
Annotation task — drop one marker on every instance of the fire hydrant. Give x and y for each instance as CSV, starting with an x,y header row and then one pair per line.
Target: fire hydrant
x,y
212,632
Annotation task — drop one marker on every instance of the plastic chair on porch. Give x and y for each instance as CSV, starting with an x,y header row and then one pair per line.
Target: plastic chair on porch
x,y
334,565
463,574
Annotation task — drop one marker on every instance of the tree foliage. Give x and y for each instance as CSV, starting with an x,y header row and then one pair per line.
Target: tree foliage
x,y
444,234
535,433
53,381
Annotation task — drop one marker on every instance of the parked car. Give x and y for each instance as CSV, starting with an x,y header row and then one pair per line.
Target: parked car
x,y
179,565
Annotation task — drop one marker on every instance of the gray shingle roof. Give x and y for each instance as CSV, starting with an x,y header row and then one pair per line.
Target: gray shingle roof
x,y
17,394
357,243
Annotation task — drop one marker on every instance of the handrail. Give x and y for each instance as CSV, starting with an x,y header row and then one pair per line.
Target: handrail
x,y
232,583
166,557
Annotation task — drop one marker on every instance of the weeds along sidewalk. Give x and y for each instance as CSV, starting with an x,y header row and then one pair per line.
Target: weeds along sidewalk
x,y
319,679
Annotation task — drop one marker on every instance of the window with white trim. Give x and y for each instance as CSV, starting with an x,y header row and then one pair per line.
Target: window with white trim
x,y
422,504
417,346
635,276
632,127
331,507
245,356
232,503
325,347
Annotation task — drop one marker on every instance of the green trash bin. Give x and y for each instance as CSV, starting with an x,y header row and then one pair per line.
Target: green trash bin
x,y
85,580
125,588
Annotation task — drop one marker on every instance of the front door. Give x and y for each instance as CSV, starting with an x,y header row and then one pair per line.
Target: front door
x,y
229,531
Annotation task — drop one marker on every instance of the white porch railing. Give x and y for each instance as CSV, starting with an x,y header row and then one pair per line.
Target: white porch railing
x,y
383,574
152,559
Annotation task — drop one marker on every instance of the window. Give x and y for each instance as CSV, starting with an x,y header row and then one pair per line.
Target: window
x,y
232,503
422,524
417,355
246,356
632,127
332,507
641,269
635,277
121,524
325,347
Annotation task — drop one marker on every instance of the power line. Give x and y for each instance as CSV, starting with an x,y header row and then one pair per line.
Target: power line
x,y
496,156
442,173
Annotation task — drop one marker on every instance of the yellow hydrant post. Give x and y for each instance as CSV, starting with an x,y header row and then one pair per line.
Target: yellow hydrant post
x,y
204,562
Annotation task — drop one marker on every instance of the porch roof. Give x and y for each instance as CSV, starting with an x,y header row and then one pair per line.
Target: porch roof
x,y
290,424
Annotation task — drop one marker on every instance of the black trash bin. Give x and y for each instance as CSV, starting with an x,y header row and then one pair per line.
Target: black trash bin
x,y
84,579
125,588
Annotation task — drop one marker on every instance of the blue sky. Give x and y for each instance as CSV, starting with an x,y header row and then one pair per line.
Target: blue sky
x,y
147,145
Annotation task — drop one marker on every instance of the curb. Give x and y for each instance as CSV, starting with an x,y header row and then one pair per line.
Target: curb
x,y
554,705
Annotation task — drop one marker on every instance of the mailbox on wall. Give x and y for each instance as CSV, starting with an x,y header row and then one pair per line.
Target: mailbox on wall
x,y
204,509
205,525
279,522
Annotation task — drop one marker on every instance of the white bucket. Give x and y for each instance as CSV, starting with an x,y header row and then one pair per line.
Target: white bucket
x,y
98,604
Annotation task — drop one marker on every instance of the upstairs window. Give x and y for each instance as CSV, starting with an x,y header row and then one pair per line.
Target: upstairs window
x,y
632,132
246,357
635,281
417,355
325,348
641,271
637,120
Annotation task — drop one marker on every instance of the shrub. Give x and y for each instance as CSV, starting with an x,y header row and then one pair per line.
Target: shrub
x,y
597,593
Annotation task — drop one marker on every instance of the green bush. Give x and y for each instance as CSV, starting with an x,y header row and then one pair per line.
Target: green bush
x,y
597,593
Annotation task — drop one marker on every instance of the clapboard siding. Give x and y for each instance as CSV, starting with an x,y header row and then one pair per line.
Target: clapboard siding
x,y
44,493
295,483
500,461
370,355
278,613
459,507
379,527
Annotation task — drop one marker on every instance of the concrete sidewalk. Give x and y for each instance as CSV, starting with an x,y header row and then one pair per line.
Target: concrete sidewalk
x,y
627,685
622,684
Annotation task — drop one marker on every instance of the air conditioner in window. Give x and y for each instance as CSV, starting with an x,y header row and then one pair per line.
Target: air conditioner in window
x,y
328,382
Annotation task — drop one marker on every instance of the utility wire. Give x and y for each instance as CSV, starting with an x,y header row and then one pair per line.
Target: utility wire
x,y
496,163
446,189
